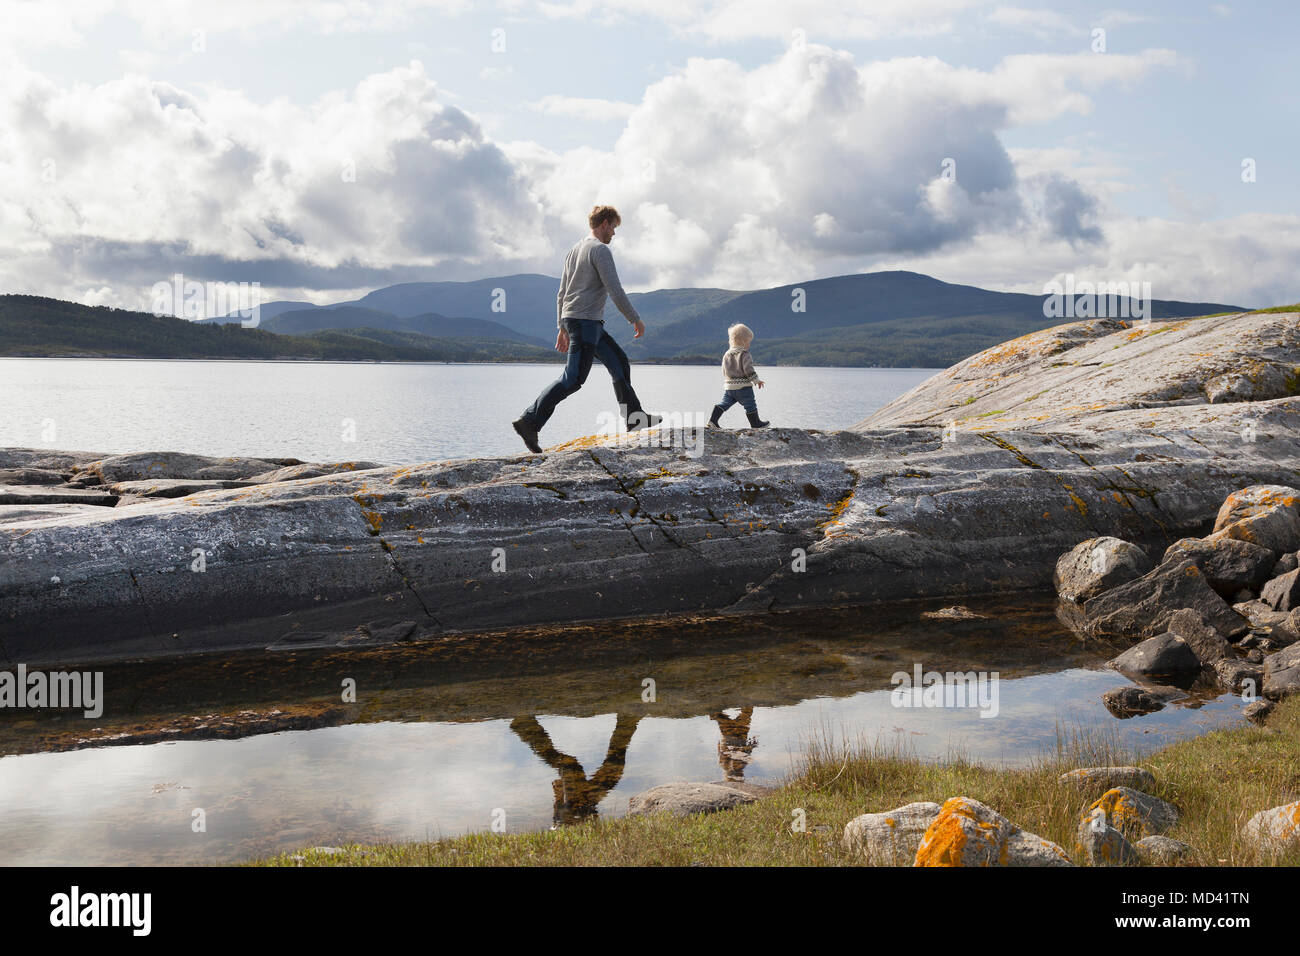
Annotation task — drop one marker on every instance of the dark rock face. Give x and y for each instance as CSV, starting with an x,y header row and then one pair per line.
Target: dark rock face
x,y
1207,643
1143,608
1132,701
1166,656
1106,433
1282,593
1228,564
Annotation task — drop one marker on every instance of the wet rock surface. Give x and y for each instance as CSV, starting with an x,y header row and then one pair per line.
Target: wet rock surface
x,y
1089,430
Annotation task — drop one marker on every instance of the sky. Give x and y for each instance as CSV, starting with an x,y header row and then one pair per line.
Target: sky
x,y
323,149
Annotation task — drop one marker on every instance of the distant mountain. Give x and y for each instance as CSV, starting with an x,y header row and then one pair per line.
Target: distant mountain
x,y
303,321
876,318
899,319
37,326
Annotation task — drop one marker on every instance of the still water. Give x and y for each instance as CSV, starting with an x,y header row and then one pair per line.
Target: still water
x,y
438,742
389,413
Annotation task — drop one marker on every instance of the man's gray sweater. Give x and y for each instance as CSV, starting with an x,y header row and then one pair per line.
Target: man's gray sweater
x,y
589,274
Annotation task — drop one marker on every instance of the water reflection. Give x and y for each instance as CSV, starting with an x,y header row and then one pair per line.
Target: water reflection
x,y
576,794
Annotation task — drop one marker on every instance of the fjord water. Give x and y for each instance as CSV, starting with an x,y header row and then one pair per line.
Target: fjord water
x,y
387,413
436,746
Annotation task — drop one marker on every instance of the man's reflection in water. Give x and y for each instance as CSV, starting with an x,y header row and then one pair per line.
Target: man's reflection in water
x,y
736,748
576,794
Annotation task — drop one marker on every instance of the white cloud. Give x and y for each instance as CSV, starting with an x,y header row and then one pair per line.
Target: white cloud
x,y
807,165
1041,23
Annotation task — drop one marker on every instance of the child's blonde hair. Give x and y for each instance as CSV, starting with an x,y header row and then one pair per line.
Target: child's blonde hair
x,y
740,336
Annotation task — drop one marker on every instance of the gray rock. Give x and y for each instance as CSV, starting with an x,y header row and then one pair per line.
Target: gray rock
x,y
1167,656
1092,566
1133,813
684,799
890,838
1142,608
1103,844
1131,701
1259,614
1206,643
1257,382
1228,564
1105,778
1257,713
969,833
1254,500
1239,675
1276,528
1287,562
1164,851
1282,593
1274,831
1282,673
142,466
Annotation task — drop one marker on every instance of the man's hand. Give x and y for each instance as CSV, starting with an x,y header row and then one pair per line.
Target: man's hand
x,y
640,328
562,341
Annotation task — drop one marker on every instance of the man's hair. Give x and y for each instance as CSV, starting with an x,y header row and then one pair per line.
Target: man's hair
x,y
740,336
603,214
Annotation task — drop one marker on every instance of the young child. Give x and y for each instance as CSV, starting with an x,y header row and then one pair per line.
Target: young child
x,y
738,371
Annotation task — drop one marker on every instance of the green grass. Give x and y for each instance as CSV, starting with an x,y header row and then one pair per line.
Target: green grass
x,y
1217,781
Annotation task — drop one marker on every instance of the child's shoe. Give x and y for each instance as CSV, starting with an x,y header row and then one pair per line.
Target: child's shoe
x,y
717,413
755,421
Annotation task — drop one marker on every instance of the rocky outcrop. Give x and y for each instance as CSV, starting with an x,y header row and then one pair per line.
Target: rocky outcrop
x,y
977,481
1097,564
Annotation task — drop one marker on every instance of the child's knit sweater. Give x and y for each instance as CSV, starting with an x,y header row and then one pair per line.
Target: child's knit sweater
x,y
738,369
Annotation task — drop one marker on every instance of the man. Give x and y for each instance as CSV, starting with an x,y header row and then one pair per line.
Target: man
x,y
589,276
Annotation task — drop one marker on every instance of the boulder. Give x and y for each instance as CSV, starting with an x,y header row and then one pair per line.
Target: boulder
x,y
1105,778
890,838
1102,844
968,833
1276,528
1257,713
1239,675
1206,643
1165,656
1131,701
1282,673
1142,608
1164,851
1274,831
1258,382
1092,566
1259,614
1282,593
684,799
1132,812
1255,500
1228,564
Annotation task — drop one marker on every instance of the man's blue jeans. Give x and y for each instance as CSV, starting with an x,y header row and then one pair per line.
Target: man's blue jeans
x,y
745,396
588,340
